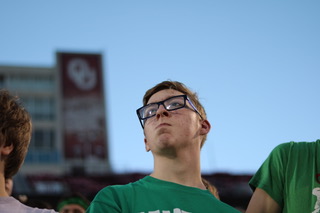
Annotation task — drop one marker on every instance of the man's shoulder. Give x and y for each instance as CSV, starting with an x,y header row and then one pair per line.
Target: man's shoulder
x,y
29,209
292,149
10,204
295,145
123,187
299,145
37,210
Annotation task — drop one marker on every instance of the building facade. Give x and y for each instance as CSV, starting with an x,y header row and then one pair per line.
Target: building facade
x,y
69,135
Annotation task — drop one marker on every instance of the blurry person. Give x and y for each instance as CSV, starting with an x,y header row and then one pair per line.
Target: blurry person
x,y
211,188
15,134
288,181
175,127
74,203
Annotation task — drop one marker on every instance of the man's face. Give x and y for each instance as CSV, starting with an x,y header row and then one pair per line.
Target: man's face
x,y
72,208
169,130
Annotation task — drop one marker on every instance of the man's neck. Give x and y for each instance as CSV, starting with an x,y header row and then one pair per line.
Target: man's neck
x,y
184,169
3,192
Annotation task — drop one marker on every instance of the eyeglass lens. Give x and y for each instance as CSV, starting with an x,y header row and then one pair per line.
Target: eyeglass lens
x,y
169,104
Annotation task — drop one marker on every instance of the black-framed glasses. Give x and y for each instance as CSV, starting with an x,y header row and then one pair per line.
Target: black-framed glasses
x,y
170,104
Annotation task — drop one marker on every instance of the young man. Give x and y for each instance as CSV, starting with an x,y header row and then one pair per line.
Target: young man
x,y
288,181
15,134
175,128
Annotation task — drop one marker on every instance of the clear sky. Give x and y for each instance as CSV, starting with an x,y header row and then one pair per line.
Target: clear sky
x,y
254,64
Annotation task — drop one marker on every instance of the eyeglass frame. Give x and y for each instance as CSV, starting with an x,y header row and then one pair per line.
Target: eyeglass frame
x,y
186,98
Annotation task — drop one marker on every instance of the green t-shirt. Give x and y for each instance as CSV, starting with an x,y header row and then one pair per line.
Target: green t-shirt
x,y
151,195
291,176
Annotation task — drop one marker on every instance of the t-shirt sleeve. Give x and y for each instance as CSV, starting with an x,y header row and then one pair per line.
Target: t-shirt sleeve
x,y
107,200
270,176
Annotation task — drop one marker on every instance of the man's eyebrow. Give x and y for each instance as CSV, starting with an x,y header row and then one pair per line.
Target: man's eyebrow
x,y
163,99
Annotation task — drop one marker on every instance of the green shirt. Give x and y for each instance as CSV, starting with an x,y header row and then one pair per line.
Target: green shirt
x,y
291,176
151,195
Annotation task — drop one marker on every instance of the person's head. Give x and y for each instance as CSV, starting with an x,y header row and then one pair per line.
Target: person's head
x,y
74,203
182,99
15,133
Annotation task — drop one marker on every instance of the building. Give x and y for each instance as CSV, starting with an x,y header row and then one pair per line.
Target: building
x,y
67,106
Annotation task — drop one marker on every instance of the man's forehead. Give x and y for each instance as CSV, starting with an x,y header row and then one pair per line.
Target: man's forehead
x,y
163,94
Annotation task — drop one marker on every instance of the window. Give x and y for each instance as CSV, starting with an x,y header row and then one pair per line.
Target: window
x,y
43,139
31,82
42,147
40,108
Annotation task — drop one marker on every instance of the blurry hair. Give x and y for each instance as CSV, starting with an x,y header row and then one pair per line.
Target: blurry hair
x,y
15,129
178,86
211,188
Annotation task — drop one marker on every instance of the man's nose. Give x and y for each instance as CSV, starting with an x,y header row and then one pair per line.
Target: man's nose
x,y
162,111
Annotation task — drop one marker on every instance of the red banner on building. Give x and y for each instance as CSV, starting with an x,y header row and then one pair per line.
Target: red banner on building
x,y
83,108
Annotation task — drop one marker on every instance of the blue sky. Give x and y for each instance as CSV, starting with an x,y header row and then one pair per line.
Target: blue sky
x,y
254,64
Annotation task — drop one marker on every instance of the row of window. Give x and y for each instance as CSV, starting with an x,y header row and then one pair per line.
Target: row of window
x,y
43,157
43,139
32,82
42,147
40,108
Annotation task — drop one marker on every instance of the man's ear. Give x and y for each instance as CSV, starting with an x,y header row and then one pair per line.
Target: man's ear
x,y
146,145
6,150
205,127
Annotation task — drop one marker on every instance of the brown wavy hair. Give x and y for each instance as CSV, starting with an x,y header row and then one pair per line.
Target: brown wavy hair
x,y
15,129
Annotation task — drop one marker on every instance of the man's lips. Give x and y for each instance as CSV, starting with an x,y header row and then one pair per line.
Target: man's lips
x,y
162,125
